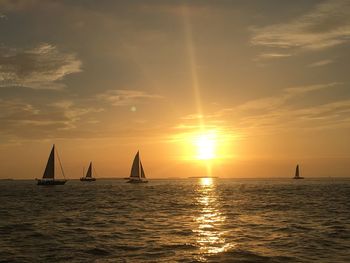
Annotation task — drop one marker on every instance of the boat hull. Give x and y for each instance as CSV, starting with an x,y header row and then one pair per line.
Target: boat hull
x,y
87,179
51,182
137,181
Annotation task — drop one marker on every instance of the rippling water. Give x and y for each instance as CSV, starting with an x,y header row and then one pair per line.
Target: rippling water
x,y
190,220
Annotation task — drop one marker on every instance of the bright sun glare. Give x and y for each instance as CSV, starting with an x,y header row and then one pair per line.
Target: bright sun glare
x,y
206,146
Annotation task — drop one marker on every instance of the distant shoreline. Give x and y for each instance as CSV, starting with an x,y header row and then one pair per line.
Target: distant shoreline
x,y
191,177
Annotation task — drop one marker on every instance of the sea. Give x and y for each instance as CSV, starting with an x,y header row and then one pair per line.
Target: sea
x,y
177,220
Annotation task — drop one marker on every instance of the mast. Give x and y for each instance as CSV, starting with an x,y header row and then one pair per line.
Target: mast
x,y
297,172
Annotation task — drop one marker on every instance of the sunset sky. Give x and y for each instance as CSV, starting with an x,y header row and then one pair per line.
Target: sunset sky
x,y
226,88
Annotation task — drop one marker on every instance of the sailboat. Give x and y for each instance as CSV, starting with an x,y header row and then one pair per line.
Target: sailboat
x,y
49,173
297,176
88,177
137,174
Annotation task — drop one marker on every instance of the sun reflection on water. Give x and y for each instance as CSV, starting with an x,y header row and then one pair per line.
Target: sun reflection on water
x,y
210,221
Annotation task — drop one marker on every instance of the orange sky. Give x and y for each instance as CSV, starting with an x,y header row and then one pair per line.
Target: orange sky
x,y
264,83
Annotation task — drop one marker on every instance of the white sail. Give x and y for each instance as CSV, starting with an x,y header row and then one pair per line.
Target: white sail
x,y
137,174
142,171
135,168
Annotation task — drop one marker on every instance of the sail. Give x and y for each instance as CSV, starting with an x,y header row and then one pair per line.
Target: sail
x,y
142,171
297,172
89,171
135,169
50,166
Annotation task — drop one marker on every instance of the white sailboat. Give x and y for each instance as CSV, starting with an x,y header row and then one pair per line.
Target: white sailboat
x,y
297,175
88,177
49,173
137,174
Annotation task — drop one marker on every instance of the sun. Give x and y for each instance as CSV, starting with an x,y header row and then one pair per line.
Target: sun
x,y
205,146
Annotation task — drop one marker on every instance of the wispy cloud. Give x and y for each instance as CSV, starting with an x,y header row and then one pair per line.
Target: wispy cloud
x,y
41,67
282,112
72,112
273,102
22,119
12,6
291,117
327,25
308,88
3,16
329,111
274,55
321,63
126,97
278,112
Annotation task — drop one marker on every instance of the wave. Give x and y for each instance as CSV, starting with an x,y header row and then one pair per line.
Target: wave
x,y
269,221
243,256
97,252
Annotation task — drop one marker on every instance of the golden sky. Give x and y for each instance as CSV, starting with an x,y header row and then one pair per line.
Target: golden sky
x,y
226,88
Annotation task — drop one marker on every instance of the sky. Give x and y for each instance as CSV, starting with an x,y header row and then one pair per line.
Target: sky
x,y
222,88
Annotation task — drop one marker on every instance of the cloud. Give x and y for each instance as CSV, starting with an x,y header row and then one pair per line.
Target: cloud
x,y
41,67
329,111
22,6
274,102
72,112
308,88
3,16
279,113
22,119
193,117
274,55
126,97
327,25
290,118
321,63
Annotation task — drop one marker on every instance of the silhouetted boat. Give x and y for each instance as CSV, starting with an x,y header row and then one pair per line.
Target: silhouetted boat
x,y
49,173
297,176
137,174
88,177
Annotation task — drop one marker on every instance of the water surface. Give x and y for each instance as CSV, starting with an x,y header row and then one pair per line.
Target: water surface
x,y
188,220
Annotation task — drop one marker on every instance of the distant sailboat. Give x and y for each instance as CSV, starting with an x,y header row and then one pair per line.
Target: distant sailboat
x,y
49,173
297,176
88,177
137,174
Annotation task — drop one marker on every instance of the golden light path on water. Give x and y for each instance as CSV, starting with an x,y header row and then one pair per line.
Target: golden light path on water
x,y
210,234
210,221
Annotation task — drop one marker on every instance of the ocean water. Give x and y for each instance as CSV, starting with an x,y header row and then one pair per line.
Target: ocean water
x,y
187,220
